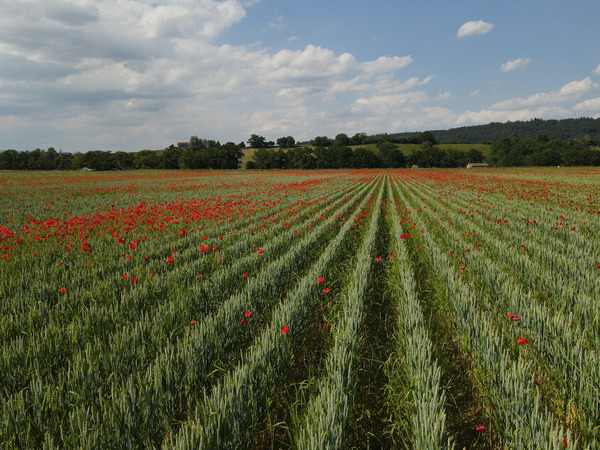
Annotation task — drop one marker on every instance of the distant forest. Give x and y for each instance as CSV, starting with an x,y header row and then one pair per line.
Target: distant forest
x,y
569,142
483,134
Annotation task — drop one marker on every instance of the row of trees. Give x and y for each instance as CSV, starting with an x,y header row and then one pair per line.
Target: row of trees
x,y
337,156
199,154
544,151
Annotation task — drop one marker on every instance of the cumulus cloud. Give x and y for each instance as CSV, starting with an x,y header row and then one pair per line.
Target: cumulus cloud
x,y
597,70
569,92
555,104
115,73
590,105
489,115
515,64
474,28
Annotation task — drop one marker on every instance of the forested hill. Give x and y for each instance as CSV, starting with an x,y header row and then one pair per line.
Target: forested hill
x,y
562,129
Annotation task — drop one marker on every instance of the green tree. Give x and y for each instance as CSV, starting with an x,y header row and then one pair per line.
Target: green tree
x,y
341,140
146,159
170,158
257,141
286,142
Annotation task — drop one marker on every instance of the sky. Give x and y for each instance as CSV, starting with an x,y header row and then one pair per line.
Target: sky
x,y
81,75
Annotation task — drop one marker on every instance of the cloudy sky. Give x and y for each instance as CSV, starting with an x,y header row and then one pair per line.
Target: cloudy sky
x,y
80,75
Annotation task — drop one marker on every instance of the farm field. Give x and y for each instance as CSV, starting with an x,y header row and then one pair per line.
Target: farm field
x,y
327,309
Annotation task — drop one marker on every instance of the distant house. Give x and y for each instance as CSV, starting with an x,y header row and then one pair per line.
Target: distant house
x,y
478,166
66,154
183,144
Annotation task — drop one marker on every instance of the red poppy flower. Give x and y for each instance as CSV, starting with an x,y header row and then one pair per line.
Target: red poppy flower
x,y
522,246
245,275
522,341
248,313
134,280
378,259
261,251
125,276
151,274
510,316
170,259
320,280
565,443
480,428
133,246
598,266
146,258
326,290
462,268
516,318
451,252
243,321
63,290
193,322
284,330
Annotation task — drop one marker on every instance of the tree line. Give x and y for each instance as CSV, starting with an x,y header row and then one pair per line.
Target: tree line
x,y
544,151
197,154
325,153
483,134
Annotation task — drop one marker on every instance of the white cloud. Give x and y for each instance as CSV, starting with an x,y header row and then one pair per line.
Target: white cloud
x,y
474,28
490,115
569,92
114,74
597,70
515,64
592,105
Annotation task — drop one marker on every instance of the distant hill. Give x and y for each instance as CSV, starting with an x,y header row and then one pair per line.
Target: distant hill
x,y
562,129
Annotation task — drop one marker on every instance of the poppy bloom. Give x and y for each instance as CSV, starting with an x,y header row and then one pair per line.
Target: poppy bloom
x,y
248,313
378,259
480,428
320,280
170,259
261,251
243,321
151,274
516,318
133,246
326,290
245,275
134,280
522,341
565,443
193,322
462,268
510,316
63,290
284,330
125,276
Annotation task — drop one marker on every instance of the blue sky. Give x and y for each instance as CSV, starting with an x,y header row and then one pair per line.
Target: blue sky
x,y
80,75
